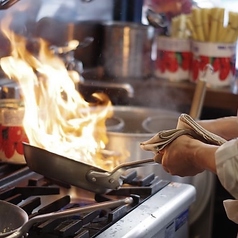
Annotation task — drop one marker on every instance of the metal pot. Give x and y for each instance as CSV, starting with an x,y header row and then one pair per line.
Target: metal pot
x,y
127,49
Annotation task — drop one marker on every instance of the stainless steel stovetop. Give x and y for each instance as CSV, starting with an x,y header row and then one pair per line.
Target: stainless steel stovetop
x,y
160,207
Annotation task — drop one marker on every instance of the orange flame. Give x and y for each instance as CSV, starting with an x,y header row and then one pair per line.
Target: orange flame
x,y
57,118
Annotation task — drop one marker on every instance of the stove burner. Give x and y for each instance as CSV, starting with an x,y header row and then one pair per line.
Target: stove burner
x,y
30,191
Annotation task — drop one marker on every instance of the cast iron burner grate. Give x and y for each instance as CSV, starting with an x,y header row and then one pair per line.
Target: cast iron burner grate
x,y
39,195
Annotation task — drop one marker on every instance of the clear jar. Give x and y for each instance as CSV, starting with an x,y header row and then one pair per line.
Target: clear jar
x,y
12,131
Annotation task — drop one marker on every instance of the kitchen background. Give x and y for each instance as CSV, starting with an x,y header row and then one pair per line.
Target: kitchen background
x,y
60,21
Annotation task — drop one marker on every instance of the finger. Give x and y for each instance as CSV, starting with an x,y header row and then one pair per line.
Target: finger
x,y
158,158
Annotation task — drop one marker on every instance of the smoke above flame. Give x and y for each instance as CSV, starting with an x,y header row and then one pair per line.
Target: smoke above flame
x,y
57,118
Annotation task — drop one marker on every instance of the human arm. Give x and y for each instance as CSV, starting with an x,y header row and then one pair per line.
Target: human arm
x,y
226,127
226,158
191,149
186,156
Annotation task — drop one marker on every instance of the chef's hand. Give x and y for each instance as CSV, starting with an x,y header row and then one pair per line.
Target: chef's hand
x,y
186,156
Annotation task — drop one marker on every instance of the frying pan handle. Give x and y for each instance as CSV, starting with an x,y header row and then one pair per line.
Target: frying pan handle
x,y
112,180
105,180
133,164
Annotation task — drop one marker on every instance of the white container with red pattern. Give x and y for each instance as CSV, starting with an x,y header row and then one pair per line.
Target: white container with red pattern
x,y
220,56
173,60
12,133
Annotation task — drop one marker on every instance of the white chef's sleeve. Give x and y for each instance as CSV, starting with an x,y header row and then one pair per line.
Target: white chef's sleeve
x,y
227,172
227,166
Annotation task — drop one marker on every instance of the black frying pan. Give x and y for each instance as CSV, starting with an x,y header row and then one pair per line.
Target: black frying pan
x,y
76,173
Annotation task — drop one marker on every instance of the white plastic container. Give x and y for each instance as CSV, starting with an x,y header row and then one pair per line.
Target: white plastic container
x,y
173,58
12,133
220,56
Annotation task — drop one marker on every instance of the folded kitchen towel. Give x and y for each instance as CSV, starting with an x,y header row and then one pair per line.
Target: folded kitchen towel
x,y
186,126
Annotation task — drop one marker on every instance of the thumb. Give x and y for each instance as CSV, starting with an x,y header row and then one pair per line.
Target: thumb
x,y
158,157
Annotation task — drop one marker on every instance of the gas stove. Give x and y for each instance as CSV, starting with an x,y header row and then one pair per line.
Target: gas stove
x,y
159,208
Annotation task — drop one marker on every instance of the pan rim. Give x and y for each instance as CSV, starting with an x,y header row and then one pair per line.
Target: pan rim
x,y
20,212
64,157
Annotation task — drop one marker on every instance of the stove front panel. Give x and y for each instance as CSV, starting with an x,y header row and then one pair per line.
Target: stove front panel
x,y
164,215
